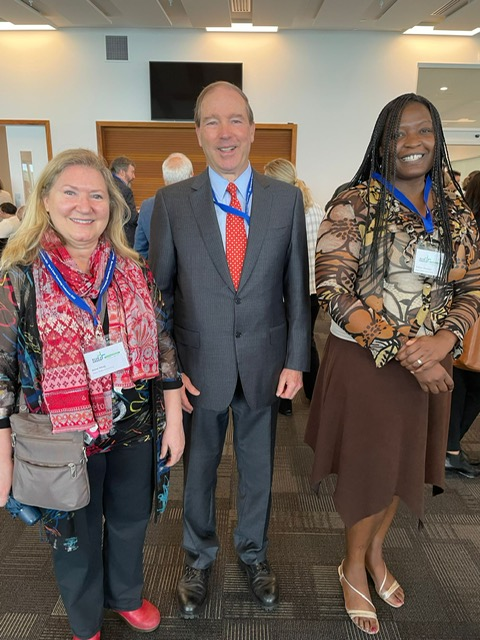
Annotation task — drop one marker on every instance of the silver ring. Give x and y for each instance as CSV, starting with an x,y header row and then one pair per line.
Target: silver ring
x,y
419,362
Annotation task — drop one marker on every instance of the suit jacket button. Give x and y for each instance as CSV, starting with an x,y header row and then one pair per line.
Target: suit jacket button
x,y
237,300
238,334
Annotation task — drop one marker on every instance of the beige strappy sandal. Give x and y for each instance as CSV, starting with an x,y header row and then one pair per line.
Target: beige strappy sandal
x,y
359,613
385,595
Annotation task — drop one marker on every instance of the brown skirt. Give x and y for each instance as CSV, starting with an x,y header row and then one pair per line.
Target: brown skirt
x,y
377,430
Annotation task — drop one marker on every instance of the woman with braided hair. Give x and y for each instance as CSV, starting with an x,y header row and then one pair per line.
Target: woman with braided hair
x,y
398,271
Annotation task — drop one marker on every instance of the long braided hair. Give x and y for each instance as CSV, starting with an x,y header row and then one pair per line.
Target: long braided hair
x,y
384,162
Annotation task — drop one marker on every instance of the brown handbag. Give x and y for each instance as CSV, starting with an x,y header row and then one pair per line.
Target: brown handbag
x,y
49,469
470,358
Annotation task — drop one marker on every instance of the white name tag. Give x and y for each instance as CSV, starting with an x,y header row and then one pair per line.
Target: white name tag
x,y
427,262
106,360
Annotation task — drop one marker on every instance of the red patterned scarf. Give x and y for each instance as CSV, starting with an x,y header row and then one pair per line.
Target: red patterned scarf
x,y
74,400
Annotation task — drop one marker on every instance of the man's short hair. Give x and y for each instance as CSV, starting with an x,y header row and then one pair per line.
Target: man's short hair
x,y
8,207
176,167
120,164
220,83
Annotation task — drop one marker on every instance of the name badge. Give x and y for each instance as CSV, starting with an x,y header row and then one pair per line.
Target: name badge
x,y
427,262
106,360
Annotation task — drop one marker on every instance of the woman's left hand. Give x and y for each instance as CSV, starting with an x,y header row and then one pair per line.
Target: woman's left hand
x,y
173,444
419,354
173,439
6,465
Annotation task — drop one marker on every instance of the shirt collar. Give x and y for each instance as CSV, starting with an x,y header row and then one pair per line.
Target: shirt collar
x,y
219,184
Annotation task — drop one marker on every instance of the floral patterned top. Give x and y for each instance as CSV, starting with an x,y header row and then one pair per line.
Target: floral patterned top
x,y
380,311
21,351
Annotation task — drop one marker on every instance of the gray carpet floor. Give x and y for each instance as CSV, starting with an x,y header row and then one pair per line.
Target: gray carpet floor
x,y
438,567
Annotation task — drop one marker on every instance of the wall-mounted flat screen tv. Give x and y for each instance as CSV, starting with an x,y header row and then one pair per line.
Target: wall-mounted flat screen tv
x,y
174,86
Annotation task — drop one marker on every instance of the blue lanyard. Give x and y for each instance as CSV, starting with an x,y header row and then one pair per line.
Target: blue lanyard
x,y
74,297
237,212
427,220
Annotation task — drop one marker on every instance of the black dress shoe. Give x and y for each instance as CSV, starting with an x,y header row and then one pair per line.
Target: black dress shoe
x,y
263,583
458,462
285,407
192,591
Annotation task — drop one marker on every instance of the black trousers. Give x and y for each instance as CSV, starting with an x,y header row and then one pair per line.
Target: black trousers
x,y
465,405
309,377
108,574
254,443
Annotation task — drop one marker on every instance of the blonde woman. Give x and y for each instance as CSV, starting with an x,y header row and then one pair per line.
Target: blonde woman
x,y
69,286
284,170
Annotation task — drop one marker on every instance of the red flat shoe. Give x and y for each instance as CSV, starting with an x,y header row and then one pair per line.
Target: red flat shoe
x,y
146,618
95,637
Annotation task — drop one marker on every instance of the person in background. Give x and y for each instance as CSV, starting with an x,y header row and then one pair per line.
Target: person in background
x,y
73,232
5,196
9,222
451,182
398,270
175,168
20,212
230,256
468,178
123,170
466,392
283,169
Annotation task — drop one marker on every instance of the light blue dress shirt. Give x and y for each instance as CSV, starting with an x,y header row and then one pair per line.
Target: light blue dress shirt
x,y
219,186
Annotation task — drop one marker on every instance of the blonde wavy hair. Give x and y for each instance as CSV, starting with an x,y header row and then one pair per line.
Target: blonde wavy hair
x,y
24,246
284,170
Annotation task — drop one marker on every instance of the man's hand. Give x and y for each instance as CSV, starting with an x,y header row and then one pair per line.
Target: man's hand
x,y
289,383
188,386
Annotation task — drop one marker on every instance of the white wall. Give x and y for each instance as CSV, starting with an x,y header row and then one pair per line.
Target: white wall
x,y
332,84
465,166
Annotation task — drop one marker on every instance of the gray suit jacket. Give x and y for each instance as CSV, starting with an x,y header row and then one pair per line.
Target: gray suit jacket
x,y
221,333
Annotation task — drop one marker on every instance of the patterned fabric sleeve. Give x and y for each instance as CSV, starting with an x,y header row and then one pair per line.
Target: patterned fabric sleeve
x,y
168,362
8,350
336,268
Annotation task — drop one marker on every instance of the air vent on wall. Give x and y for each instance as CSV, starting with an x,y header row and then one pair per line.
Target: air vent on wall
x,y
116,47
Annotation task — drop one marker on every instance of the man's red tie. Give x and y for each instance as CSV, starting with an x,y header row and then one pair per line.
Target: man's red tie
x,y
236,237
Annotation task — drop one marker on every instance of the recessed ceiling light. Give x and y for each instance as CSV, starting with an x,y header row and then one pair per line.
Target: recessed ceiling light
x,y
9,26
431,31
443,88
462,120
243,27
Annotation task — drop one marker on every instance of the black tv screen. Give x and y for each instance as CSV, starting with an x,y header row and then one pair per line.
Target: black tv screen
x,y
174,86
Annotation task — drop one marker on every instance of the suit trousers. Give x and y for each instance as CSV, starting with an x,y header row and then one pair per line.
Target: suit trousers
x,y
108,575
254,444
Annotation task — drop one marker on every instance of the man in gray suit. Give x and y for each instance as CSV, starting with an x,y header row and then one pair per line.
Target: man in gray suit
x,y
241,323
